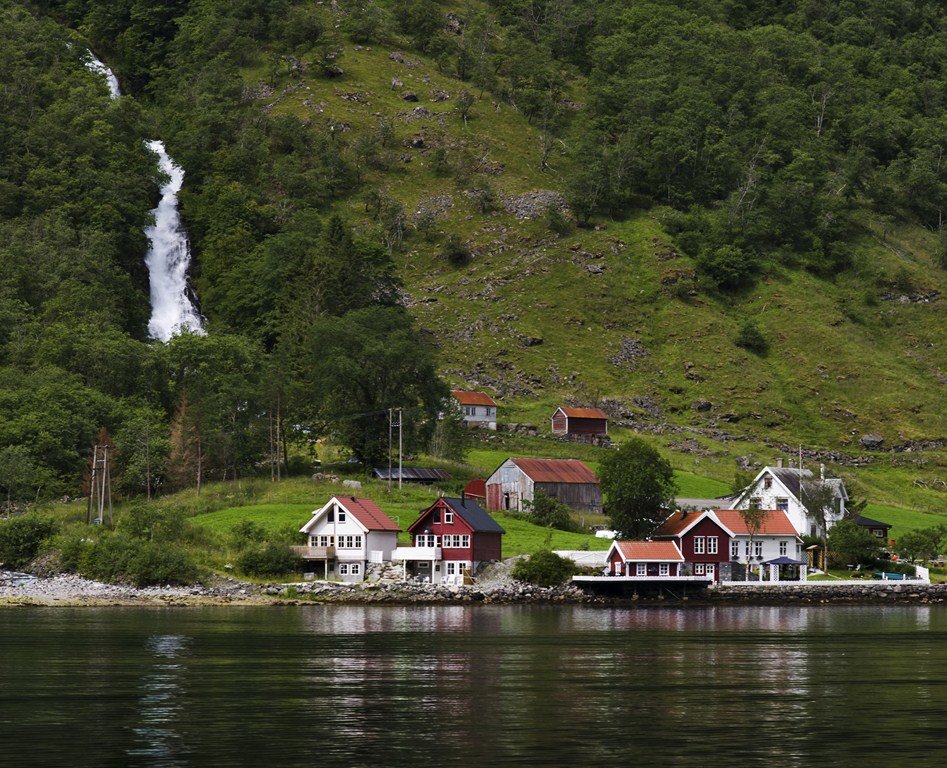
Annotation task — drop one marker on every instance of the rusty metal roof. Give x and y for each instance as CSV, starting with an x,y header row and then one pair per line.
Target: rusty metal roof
x,y
650,551
556,470
584,413
465,397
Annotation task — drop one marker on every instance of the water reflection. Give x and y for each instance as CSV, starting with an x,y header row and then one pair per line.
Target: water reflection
x,y
157,741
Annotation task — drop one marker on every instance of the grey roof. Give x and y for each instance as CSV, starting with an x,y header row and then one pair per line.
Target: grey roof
x,y
869,523
791,478
783,561
411,474
478,518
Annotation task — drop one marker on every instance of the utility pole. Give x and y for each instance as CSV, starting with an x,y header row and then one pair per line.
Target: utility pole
x,y
100,487
400,446
391,419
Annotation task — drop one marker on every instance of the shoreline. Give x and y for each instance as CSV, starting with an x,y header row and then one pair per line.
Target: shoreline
x,y
22,590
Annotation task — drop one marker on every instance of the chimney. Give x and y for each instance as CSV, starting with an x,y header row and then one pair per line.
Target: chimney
x,y
779,462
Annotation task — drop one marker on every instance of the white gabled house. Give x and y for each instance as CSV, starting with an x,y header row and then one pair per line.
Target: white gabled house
x,y
478,409
782,488
345,535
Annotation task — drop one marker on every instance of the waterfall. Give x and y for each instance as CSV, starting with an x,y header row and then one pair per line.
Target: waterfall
x,y
169,253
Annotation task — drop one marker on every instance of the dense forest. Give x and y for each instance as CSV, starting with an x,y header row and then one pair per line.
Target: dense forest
x,y
761,135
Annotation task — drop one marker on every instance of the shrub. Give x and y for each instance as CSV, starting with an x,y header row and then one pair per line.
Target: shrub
x,y
271,559
556,221
455,250
550,512
116,557
21,538
247,532
153,563
148,521
544,568
752,339
728,267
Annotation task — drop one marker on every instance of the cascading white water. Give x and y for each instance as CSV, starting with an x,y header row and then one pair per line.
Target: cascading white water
x,y
169,253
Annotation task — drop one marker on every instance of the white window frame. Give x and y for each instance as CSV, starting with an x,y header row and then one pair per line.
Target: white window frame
x,y
340,516
342,569
712,545
664,569
448,517
618,567
354,568
758,548
782,504
698,569
465,540
641,569
783,548
734,549
700,545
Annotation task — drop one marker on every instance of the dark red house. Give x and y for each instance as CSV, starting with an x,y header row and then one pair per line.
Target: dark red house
x,y
703,540
579,421
461,534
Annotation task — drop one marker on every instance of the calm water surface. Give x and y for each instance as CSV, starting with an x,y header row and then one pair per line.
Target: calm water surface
x,y
425,686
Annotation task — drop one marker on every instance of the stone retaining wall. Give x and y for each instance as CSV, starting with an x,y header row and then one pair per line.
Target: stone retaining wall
x,y
827,592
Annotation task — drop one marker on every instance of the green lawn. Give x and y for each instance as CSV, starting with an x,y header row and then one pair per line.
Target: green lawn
x,y
523,538
903,520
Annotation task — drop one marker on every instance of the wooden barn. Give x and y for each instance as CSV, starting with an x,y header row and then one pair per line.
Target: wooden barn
x,y
516,481
579,421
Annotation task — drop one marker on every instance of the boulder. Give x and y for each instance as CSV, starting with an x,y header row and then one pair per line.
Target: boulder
x,y
871,442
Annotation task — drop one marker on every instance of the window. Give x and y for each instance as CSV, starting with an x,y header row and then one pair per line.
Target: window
x,y
783,548
350,542
343,569
698,569
712,545
341,516
756,501
641,569
425,540
330,516
758,548
313,541
465,540
782,504
436,516
700,545
448,518
734,550
327,541
451,569
879,532
664,569
470,410
354,568
618,568
767,483
747,549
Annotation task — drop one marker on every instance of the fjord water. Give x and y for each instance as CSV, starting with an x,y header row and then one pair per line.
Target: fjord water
x,y
425,686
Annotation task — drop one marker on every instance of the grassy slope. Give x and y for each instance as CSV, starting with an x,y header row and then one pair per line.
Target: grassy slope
x,y
841,366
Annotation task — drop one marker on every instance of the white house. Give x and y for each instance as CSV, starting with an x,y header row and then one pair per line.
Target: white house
x,y
783,488
479,410
345,535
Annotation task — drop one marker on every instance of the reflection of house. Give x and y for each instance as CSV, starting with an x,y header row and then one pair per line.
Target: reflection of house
x,y
450,540
345,535
569,480
479,410
784,488
875,527
579,421
644,559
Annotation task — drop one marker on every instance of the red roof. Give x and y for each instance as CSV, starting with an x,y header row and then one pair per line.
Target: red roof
x,y
681,521
775,523
556,470
368,513
584,413
651,551
476,488
465,397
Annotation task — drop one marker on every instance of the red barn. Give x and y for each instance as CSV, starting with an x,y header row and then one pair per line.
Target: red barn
x,y
579,421
703,540
644,559
454,536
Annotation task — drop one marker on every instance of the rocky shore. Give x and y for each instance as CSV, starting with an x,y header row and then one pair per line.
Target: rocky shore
x,y
876,592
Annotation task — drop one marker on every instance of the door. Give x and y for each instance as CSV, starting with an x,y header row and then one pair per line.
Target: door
x,y
711,568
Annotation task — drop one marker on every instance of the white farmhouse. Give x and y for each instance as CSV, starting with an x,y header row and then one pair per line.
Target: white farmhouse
x,y
784,488
478,409
345,535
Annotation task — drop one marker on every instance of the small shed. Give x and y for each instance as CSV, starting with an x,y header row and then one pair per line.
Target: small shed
x,y
579,421
875,527
516,481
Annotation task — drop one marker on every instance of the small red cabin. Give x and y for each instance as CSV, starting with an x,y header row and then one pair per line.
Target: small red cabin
x,y
579,421
703,540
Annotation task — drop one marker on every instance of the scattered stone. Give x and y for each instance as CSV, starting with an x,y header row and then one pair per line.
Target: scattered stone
x,y
396,83
630,351
532,341
701,405
400,58
437,95
356,97
871,442
410,96
353,484
535,205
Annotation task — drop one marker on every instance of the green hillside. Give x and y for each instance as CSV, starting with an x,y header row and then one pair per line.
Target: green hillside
x,y
722,222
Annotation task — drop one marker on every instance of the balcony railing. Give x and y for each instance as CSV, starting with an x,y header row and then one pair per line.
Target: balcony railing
x,y
416,553
314,553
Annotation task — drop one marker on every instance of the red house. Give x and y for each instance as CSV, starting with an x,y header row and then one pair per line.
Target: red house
x,y
579,421
644,559
703,540
451,539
